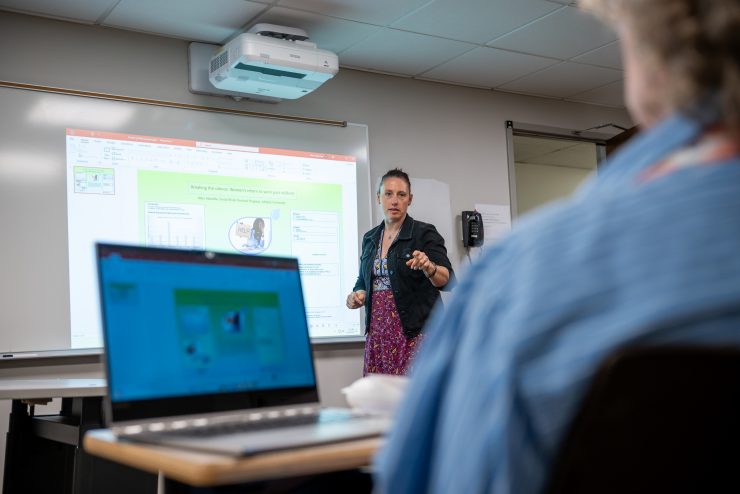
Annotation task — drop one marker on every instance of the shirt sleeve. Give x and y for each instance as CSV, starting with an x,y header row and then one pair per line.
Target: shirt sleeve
x,y
433,245
360,283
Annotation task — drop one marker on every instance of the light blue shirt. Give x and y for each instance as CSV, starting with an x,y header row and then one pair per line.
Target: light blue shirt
x,y
620,263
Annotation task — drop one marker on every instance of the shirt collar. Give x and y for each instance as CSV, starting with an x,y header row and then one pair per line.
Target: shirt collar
x,y
407,227
646,149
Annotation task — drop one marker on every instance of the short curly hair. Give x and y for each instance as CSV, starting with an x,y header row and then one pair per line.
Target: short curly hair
x,y
697,41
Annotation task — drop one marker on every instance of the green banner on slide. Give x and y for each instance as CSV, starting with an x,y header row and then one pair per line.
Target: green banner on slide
x,y
214,204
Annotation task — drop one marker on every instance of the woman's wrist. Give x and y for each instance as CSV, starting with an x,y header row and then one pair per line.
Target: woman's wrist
x,y
434,271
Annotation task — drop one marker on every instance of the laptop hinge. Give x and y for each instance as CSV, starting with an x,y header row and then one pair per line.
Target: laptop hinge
x,y
211,420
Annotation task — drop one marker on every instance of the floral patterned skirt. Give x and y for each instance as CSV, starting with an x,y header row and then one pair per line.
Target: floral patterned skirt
x,y
387,350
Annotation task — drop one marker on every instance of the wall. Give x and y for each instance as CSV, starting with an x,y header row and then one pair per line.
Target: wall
x,y
451,134
539,184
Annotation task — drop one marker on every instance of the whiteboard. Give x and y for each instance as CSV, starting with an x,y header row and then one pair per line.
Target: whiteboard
x,y
34,245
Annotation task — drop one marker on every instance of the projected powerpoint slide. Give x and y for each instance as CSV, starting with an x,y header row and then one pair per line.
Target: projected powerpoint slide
x,y
168,192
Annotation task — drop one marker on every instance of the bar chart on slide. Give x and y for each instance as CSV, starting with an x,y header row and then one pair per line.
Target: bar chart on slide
x,y
175,225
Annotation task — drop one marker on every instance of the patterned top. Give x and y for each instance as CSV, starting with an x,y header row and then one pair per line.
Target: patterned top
x,y
381,277
503,369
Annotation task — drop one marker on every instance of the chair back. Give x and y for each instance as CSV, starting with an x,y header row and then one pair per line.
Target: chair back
x,y
664,419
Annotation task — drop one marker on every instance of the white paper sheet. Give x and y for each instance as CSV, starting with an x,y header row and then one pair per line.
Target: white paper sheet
x,y
496,221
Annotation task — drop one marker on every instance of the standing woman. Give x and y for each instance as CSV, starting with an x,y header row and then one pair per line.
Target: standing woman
x,y
403,267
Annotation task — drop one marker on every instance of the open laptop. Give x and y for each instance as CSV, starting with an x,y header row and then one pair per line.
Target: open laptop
x,y
210,351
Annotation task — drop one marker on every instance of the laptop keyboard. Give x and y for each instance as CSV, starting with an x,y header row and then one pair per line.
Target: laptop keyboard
x,y
247,426
264,423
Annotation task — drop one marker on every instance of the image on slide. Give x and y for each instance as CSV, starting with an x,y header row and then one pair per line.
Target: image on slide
x,y
251,235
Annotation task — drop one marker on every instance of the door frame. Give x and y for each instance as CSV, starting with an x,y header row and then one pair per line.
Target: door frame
x,y
533,130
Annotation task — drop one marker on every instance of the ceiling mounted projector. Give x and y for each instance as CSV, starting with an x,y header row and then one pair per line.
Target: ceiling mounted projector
x,y
271,61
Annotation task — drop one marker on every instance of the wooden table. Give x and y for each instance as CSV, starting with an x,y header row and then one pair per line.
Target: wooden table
x,y
205,469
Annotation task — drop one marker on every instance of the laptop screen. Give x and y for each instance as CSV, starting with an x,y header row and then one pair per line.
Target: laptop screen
x,y
191,332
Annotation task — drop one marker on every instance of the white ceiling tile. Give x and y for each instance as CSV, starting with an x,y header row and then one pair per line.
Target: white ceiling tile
x,y
402,53
527,148
608,95
79,10
564,80
379,12
476,21
565,33
212,22
519,60
606,56
554,152
580,155
328,33
487,67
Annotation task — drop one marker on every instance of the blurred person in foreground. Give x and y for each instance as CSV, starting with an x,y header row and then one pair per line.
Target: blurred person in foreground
x,y
646,253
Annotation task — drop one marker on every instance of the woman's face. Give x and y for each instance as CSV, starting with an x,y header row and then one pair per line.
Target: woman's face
x,y
395,198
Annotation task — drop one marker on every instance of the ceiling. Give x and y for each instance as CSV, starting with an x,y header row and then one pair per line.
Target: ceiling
x,y
548,48
554,152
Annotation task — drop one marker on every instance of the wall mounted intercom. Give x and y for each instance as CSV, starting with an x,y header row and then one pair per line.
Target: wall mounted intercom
x,y
472,229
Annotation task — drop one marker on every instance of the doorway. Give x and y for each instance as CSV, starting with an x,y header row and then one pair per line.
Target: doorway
x,y
550,163
548,169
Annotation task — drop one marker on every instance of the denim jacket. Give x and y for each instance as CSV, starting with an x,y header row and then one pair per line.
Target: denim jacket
x,y
414,294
